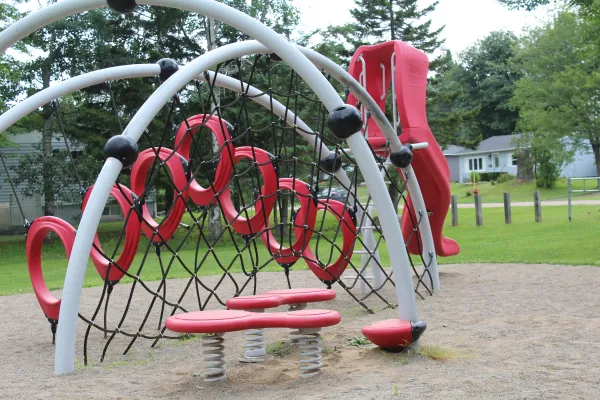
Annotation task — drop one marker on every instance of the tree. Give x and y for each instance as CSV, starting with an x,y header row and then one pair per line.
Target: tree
x,y
382,20
559,92
450,110
469,99
533,4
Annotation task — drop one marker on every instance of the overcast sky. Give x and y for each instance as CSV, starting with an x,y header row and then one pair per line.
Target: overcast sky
x,y
466,20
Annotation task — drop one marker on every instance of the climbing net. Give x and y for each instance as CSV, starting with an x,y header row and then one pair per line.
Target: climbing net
x,y
243,189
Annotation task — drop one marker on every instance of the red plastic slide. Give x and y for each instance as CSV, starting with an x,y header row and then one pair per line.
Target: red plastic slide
x,y
430,165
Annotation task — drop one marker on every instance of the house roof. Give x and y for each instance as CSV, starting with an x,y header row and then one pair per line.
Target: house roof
x,y
492,144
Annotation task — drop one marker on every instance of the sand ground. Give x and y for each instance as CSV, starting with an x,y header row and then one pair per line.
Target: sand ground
x,y
514,331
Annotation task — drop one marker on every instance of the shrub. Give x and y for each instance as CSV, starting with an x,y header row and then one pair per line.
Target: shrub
x,y
504,177
469,194
475,176
490,176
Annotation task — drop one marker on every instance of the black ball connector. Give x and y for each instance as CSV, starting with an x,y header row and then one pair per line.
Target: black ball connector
x,y
167,68
122,6
123,148
418,328
332,163
402,158
275,57
345,121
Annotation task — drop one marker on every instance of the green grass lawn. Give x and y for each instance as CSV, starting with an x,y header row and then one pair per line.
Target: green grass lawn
x,y
520,191
553,241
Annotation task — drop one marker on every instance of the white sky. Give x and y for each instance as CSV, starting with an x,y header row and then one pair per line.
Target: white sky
x,y
466,20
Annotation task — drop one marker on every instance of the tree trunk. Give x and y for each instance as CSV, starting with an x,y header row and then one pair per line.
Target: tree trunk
x,y
392,21
596,150
265,10
214,219
49,197
285,202
525,166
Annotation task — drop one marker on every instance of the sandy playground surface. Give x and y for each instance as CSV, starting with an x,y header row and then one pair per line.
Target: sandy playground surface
x,y
515,332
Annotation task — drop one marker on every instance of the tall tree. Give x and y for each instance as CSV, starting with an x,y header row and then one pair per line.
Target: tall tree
x,y
559,93
380,20
533,4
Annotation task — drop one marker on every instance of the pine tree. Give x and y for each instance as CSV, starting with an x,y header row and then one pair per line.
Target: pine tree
x,y
382,20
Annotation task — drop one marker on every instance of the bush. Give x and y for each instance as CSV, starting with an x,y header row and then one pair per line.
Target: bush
x,y
475,176
504,177
490,176
469,194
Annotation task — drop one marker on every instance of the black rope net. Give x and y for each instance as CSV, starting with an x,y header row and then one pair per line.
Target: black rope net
x,y
226,187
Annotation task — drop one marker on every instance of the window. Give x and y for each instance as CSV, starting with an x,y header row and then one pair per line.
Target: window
x,y
514,160
475,164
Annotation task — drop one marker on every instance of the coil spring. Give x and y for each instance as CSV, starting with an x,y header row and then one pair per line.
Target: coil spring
x,y
214,357
255,345
309,341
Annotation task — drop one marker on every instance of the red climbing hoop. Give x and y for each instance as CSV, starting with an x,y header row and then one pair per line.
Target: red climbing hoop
x,y
126,200
267,195
177,166
183,141
33,247
335,270
306,217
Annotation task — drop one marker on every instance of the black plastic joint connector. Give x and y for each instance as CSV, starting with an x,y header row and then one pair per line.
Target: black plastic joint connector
x,y
418,328
122,6
345,121
123,148
331,164
167,68
275,57
402,158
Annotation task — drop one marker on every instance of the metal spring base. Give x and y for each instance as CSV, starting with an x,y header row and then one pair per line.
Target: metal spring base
x,y
255,346
309,346
214,357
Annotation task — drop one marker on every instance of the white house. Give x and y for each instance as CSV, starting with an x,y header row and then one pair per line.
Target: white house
x,y
33,207
497,154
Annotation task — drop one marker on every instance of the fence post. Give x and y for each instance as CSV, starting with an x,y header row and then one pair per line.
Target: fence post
x,y
478,210
507,211
537,204
454,211
569,190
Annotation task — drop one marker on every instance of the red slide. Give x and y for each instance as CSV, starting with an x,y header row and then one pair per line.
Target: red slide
x,y
430,165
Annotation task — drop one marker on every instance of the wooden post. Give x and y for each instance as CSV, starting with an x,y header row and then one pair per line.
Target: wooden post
x,y
507,212
454,211
537,204
478,210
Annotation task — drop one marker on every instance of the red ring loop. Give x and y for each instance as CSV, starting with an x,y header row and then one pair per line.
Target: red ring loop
x,y
306,216
175,162
334,271
183,142
33,249
132,236
254,224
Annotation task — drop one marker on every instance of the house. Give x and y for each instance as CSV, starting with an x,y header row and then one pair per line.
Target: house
x,y
498,154
11,220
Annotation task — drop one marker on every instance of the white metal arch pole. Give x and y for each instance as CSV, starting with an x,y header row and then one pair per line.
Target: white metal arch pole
x,y
71,85
339,74
65,346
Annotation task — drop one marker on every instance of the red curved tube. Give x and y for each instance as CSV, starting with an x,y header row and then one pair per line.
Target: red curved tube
x,y
183,141
335,270
267,198
33,249
175,163
306,216
132,236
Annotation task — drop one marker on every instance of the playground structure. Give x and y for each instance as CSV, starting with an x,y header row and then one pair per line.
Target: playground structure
x,y
373,144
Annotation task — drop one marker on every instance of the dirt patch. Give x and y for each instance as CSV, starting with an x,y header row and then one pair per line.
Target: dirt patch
x,y
505,332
